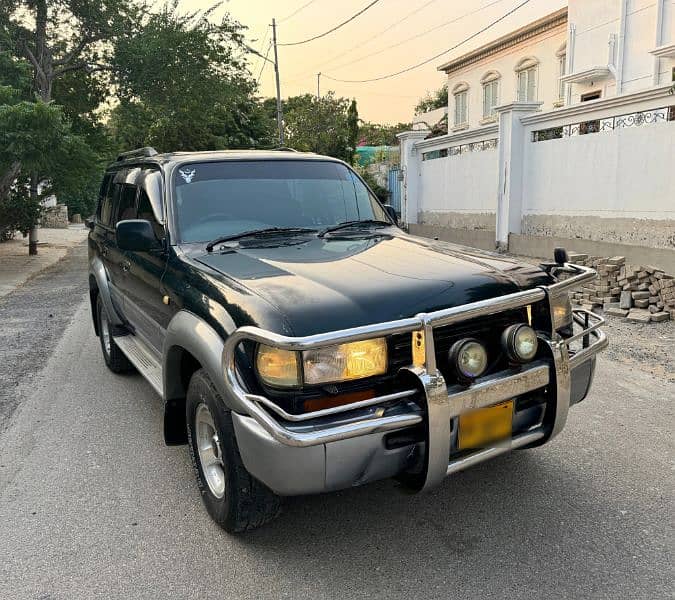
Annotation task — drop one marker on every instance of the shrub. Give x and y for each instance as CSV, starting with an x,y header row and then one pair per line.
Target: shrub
x,y
18,212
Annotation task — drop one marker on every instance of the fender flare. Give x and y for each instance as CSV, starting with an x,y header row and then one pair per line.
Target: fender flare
x,y
188,332
97,269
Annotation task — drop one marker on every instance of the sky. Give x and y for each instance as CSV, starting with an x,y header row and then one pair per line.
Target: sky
x,y
375,43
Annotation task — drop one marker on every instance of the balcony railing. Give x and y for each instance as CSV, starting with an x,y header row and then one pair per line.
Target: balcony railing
x,y
635,119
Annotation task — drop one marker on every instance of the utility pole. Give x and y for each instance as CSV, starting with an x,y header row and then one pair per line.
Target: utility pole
x,y
318,85
280,114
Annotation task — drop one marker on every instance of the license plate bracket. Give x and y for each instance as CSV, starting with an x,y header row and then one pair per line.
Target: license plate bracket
x,y
485,426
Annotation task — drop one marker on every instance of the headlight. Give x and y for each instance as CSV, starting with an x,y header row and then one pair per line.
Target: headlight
x,y
278,367
561,311
342,362
520,343
345,362
469,358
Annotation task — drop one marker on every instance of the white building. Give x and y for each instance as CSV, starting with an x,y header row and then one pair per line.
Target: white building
x,y
519,168
524,65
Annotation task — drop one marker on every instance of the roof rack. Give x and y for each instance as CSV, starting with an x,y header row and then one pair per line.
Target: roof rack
x,y
146,151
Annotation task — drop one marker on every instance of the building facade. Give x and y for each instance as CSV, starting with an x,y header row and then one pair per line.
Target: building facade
x,y
524,65
562,131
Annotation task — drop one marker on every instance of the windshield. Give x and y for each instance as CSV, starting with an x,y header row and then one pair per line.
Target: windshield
x,y
225,198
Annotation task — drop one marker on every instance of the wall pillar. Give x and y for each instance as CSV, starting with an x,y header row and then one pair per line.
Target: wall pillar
x,y
410,165
511,158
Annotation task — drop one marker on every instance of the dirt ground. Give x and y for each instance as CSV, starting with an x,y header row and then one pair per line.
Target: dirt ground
x,y
16,266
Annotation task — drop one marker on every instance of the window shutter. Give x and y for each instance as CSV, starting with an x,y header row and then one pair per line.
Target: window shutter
x,y
460,108
522,85
531,83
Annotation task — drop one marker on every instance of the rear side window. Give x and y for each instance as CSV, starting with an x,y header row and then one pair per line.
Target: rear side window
x,y
126,206
112,198
105,200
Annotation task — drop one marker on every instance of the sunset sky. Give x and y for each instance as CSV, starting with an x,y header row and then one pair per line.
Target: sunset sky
x,y
364,48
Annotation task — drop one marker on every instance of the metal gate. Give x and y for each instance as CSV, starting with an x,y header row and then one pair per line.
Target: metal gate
x,y
394,185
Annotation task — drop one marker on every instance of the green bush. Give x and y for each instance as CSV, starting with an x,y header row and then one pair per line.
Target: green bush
x,y
18,212
381,192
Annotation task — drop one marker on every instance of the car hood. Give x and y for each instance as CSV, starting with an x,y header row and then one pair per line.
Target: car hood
x,y
323,284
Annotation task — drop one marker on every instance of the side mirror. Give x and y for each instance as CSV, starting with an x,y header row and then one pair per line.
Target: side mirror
x,y
136,235
560,256
391,211
90,222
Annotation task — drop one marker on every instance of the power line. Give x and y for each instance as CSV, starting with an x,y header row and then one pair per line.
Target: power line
x,y
418,35
264,62
436,56
325,33
367,41
262,44
295,12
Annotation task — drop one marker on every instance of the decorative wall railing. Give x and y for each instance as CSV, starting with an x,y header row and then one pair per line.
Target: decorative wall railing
x,y
461,149
635,119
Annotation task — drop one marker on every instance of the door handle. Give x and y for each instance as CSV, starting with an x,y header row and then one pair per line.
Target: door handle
x,y
126,265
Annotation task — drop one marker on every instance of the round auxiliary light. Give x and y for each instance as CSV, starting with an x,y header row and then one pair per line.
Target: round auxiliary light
x,y
469,358
520,343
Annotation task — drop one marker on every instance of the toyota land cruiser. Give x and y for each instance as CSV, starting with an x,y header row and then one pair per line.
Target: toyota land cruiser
x,y
302,342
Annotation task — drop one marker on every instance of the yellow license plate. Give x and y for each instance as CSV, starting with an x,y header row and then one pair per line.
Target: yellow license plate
x,y
482,427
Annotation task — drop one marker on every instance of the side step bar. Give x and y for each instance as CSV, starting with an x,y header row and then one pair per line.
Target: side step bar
x,y
143,358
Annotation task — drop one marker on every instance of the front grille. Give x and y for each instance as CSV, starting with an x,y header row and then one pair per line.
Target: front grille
x,y
400,351
487,330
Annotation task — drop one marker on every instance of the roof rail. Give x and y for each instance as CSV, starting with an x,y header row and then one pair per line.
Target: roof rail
x,y
146,151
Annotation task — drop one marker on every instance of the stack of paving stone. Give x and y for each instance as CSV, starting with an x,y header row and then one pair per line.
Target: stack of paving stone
x,y
637,292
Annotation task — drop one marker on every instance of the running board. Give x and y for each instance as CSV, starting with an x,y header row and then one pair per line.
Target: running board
x,y
143,359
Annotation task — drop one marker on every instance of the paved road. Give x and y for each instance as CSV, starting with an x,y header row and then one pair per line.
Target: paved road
x,y
32,320
92,505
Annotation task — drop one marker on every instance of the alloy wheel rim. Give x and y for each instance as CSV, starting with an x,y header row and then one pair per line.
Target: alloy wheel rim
x,y
209,450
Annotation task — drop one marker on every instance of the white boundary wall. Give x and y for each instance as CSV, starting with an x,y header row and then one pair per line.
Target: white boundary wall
x,y
613,186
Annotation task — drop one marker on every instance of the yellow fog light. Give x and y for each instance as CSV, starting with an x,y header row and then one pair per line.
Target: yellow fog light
x,y
345,362
520,343
278,367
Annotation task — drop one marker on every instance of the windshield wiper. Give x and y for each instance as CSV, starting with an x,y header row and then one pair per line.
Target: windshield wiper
x,y
347,224
256,232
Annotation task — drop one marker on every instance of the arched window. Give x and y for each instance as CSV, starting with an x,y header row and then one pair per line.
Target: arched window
x,y
490,83
526,72
562,70
461,95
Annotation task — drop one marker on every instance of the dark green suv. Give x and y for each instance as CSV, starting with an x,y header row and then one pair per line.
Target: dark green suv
x,y
302,342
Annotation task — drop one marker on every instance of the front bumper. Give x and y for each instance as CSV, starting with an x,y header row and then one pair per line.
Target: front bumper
x,y
349,445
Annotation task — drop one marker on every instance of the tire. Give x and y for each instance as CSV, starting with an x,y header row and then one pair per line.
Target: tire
x,y
232,496
114,358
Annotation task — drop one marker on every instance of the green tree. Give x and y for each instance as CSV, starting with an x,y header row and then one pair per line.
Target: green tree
x,y
183,84
374,134
57,38
80,98
319,125
352,129
432,100
38,137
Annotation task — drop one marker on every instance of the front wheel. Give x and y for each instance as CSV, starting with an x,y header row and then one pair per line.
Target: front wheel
x,y
232,496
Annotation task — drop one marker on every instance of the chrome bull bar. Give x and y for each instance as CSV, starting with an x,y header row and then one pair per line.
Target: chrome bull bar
x,y
443,403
